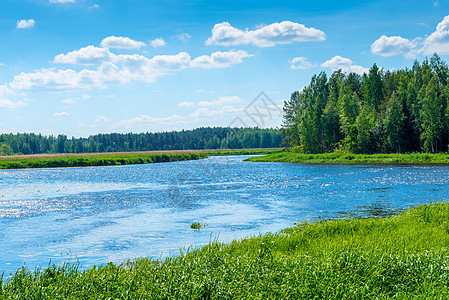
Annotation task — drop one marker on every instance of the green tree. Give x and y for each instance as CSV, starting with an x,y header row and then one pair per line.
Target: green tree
x,y
5,149
394,125
431,117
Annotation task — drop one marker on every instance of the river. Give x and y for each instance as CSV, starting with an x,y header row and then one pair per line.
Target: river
x,y
101,214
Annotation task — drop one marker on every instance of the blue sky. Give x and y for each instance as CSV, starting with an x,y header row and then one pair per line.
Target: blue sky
x,y
81,67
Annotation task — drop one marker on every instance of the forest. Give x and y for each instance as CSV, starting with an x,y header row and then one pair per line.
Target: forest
x,y
384,111
201,138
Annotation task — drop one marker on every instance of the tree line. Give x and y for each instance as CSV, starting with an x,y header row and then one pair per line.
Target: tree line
x,y
380,112
201,138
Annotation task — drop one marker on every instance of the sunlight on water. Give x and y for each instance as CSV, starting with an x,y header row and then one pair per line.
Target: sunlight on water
x,y
102,214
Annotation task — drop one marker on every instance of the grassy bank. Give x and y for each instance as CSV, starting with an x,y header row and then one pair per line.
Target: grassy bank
x,y
113,159
93,160
347,158
404,256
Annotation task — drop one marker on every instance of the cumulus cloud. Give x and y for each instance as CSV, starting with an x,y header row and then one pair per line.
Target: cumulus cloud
x,y
438,41
393,45
119,42
22,24
89,55
186,104
62,1
220,59
221,101
112,68
159,42
61,114
286,32
345,64
300,63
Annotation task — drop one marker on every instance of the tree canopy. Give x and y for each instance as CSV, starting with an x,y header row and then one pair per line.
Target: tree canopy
x,y
379,112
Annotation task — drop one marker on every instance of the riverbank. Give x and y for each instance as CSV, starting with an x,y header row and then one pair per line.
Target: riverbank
x,y
111,159
348,158
94,160
404,256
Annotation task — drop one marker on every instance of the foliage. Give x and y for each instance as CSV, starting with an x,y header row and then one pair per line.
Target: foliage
x,y
403,257
380,112
201,138
197,225
342,157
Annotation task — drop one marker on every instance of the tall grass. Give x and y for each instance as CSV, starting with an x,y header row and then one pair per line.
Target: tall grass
x,y
349,158
404,256
94,160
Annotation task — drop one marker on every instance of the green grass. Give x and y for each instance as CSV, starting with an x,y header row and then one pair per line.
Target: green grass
x,y
405,256
111,159
94,160
348,158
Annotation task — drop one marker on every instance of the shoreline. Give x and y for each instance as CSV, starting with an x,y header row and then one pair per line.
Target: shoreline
x,y
351,159
66,160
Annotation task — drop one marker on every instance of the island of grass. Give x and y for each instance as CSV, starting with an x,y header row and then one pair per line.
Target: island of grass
x,y
404,256
349,158
112,159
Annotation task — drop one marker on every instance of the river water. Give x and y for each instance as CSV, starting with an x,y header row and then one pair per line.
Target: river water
x,y
101,214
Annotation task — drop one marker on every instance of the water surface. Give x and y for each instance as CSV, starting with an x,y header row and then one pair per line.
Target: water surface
x,y
102,214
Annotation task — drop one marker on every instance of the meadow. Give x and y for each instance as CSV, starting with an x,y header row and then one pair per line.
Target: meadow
x,y
349,158
402,256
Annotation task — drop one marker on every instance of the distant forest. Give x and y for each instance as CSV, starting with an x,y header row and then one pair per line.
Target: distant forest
x,y
380,112
201,138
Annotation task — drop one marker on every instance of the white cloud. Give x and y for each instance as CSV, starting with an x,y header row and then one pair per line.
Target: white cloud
x,y
393,45
62,1
221,101
61,114
345,64
104,119
186,104
286,32
159,42
300,63
121,68
95,6
85,96
5,103
183,36
220,59
22,24
438,41
89,55
68,101
119,42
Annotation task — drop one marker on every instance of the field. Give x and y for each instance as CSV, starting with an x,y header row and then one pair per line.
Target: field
x,y
115,158
404,256
348,158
